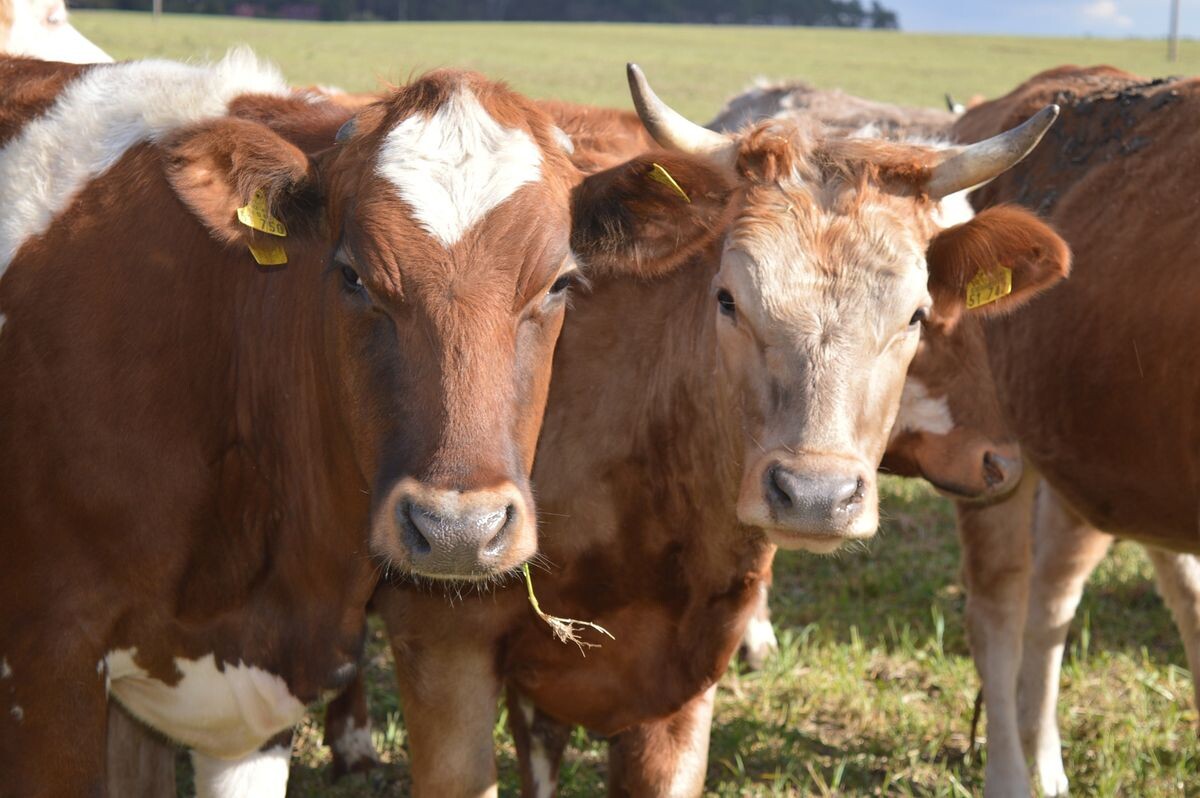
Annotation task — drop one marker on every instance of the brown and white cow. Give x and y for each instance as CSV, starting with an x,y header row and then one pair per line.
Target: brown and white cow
x,y
698,418
40,29
205,464
1098,384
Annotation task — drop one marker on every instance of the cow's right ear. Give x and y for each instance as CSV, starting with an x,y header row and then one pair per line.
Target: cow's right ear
x,y
217,167
646,216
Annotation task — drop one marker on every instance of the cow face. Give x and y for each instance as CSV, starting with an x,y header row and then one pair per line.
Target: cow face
x,y
834,260
40,29
444,215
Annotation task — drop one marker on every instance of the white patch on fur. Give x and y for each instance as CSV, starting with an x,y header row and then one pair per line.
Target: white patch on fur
x,y
953,209
17,713
225,712
354,744
5,670
97,118
40,29
263,774
920,412
453,167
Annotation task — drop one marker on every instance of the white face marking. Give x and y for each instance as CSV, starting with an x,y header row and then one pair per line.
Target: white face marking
x,y
354,744
263,774
227,712
455,166
40,29
5,670
920,412
97,118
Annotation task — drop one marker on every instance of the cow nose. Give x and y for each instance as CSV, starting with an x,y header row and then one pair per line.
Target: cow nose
x,y
814,498
456,543
998,469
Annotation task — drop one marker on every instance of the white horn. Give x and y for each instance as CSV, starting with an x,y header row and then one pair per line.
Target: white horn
x,y
976,164
674,132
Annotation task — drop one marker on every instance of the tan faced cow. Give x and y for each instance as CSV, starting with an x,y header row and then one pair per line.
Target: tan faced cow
x,y
206,462
698,417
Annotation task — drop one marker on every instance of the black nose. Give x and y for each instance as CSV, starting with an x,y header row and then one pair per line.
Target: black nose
x,y
456,544
815,499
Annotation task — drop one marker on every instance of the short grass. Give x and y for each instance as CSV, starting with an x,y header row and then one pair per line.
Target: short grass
x,y
873,689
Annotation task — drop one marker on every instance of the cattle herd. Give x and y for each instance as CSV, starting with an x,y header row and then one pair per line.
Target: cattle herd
x,y
274,358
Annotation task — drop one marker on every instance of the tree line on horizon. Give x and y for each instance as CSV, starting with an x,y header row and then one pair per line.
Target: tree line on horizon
x,y
823,13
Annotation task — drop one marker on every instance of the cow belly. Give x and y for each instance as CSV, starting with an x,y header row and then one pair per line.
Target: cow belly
x,y
225,712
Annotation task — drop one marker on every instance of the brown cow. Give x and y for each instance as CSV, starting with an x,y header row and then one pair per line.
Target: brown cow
x,y
1099,382
204,464
40,29
696,420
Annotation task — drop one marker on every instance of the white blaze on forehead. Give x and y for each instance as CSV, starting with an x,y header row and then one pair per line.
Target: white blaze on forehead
x,y
453,167
97,118
263,774
226,712
920,412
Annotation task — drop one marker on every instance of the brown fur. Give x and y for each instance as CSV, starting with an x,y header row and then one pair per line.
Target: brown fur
x,y
194,446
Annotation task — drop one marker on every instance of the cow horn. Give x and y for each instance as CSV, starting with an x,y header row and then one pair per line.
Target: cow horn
x,y
971,166
346,130
671,130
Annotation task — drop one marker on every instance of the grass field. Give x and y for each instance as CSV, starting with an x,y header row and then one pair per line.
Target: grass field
x,y
872,692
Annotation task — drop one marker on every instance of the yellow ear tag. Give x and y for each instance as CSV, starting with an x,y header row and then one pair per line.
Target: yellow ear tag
x,y
660,175
269,254
987,288
257,215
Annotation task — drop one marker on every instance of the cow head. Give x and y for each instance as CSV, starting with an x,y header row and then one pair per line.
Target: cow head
x,y
40,29
443,217
834,260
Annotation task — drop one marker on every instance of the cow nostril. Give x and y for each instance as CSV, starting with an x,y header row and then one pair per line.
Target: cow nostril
x,y
993,469
496,545
850,493
416,541
777,488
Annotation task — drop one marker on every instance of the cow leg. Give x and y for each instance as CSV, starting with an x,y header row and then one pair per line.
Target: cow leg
x,y
53,721
758,641
263,774
540,742
449,690
140,764
348,730
1179,583
1066,550
996,559
667,758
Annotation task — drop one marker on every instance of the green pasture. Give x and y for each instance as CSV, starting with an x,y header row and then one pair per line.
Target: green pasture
x,y
873,690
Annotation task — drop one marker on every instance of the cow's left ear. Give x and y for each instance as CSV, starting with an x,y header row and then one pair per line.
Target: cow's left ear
x,y
220,166
648,215
968,263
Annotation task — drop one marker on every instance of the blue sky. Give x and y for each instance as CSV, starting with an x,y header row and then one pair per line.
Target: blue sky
x,y
1118,18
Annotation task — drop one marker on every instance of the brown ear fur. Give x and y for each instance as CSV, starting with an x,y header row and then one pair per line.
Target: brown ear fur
x,y
623,222
1005,235
215,168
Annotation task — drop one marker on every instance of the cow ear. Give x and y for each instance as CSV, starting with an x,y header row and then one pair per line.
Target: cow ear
x,y
217,167
968,263
648,215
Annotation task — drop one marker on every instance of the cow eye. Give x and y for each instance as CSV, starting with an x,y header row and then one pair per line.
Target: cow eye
x,y
921,315
726,303
351,279
564,281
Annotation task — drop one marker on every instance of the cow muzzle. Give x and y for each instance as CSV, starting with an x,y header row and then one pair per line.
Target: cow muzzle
x,y
455,534
812,502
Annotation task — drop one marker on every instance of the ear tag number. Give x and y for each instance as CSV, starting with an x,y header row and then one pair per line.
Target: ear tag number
x,y
987,288
660,175
258,216
269,254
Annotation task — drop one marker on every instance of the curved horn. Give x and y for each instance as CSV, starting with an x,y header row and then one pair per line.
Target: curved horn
x,y
976,164
670,129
